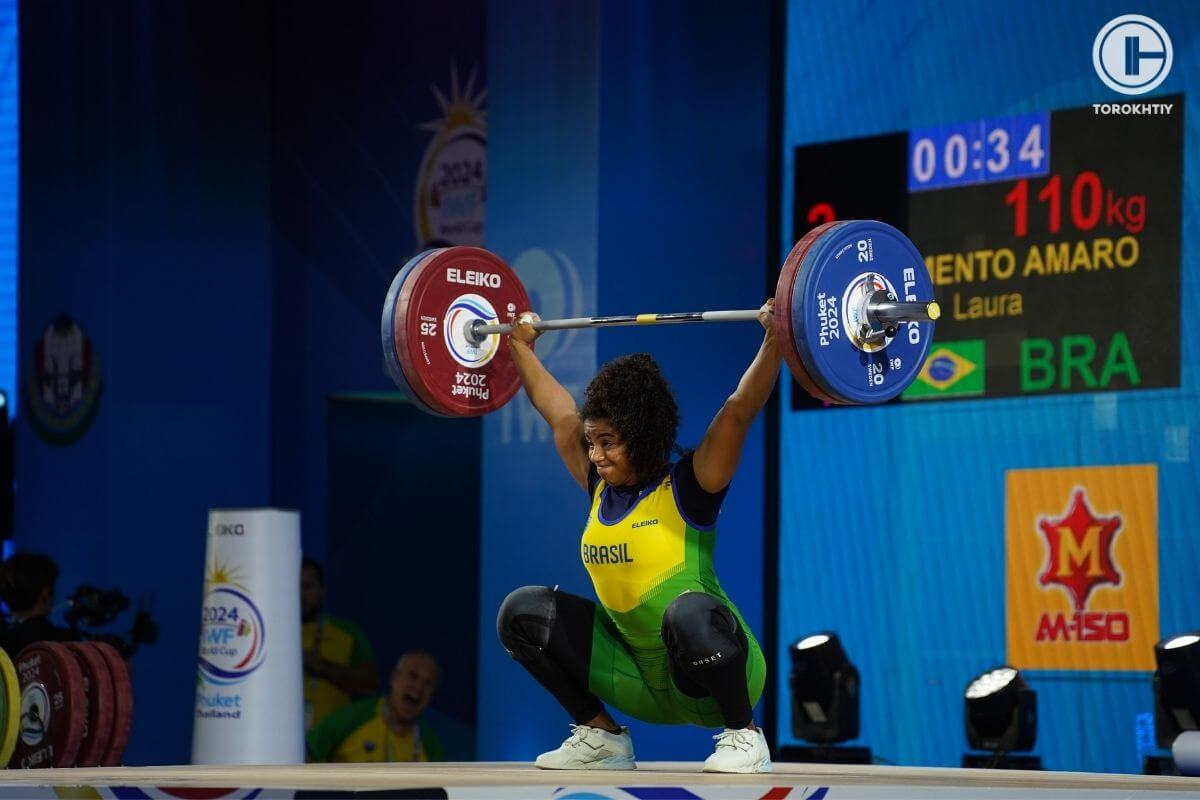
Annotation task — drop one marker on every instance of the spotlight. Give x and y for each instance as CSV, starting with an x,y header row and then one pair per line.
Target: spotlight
x,y
1000,712
1176,687
824,701
824,690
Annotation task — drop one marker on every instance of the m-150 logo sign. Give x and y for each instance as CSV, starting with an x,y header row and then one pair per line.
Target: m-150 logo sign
x,y
1082,567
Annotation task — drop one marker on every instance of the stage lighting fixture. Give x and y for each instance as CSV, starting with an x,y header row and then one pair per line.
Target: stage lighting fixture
x,y
1176,687
824,690
1000,712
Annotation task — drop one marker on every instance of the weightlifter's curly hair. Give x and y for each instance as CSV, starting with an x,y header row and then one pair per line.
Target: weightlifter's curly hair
x,y
632,394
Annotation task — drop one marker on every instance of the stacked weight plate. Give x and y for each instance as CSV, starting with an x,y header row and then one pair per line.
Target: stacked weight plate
x,y
73,704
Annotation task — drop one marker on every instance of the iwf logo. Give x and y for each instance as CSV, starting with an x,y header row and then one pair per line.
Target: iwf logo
x,y
233,636
1082,567
450,198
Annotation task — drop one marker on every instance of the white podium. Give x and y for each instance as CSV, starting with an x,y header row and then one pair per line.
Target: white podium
x,y
249,687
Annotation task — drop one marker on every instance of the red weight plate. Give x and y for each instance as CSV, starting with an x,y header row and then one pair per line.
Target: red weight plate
x,y
420,394
53,707
440,295
388,328
98,681
122,703
783,311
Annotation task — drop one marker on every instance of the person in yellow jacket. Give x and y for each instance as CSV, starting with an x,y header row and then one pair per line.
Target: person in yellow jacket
x,y
385,728
339,663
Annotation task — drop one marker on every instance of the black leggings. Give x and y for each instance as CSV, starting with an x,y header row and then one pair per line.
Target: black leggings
x,y
549,632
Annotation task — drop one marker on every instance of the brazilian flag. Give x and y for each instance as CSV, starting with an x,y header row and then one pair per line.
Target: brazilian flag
x,y
952,369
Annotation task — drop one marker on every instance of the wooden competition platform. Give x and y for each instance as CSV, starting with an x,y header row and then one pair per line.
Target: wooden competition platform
x,y
651,781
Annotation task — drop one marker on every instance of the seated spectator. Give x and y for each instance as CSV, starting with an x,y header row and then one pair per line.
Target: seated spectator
x,y
339,663
387,728
27,588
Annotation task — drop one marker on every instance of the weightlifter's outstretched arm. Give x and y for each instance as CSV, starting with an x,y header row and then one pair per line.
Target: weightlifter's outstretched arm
x,y
716,459
553,402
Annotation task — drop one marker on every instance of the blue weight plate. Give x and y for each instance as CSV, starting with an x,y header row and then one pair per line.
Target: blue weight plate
x,y
387,333
849,262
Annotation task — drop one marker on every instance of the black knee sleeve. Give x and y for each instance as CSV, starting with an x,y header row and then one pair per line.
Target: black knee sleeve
x,y
701,633
550,634
525,620
708,653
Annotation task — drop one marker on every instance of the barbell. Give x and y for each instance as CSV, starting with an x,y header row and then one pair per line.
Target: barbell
x,y
852,316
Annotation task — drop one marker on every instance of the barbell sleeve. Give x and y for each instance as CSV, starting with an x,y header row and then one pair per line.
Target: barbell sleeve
x,y
890,312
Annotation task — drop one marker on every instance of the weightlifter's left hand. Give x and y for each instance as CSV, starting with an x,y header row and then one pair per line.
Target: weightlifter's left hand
x,y
766,315
522,330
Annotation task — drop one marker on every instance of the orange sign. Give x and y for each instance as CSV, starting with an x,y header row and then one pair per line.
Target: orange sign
x,y
1081,547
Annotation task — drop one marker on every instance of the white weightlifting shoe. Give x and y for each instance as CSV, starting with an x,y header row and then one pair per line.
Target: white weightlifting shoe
x,y
740,750
591,748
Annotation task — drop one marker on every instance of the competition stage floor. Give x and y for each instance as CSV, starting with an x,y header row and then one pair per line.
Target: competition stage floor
x,y
651,781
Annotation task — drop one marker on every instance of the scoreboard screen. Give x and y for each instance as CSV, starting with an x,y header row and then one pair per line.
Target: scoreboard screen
x,y
1052,240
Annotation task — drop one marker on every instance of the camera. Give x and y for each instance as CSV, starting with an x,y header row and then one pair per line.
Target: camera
x,y
91,607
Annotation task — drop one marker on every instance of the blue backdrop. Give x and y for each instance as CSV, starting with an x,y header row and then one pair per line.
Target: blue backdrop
x,y
915,583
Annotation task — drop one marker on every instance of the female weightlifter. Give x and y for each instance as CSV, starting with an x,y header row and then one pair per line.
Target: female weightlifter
x,y
664,644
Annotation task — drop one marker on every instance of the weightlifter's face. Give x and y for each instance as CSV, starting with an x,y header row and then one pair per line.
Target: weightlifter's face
x,y
606,449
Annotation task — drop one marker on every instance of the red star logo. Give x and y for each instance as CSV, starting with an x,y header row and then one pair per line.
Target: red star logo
x,y
1080,550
